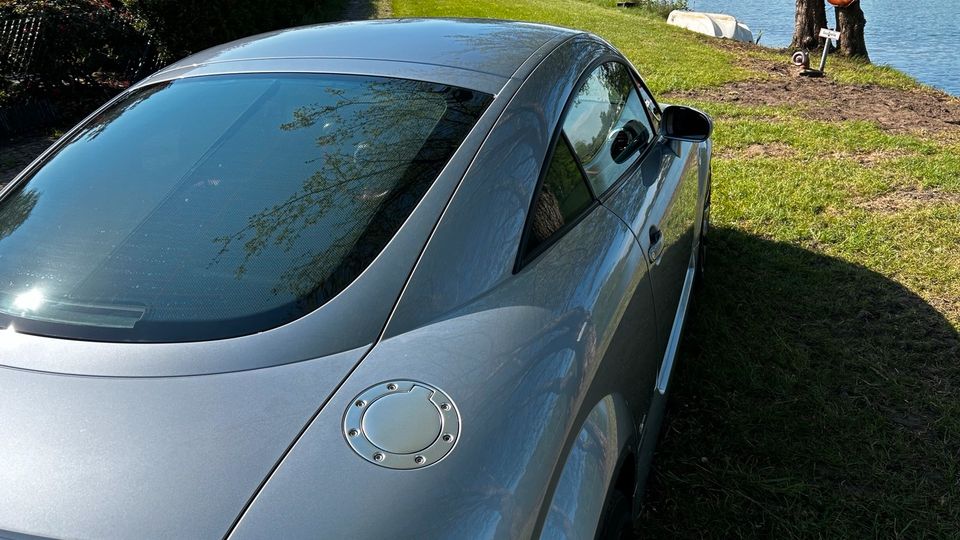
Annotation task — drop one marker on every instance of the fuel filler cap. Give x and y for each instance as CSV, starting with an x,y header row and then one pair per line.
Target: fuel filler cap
x,y
402,425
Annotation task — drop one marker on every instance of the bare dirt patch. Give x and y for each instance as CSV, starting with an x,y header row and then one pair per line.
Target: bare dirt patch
x,y
870,159
785,151
772,150
908,199
895,110
748,59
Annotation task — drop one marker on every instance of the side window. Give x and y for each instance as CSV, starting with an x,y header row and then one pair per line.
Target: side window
x,y
561,199
607,125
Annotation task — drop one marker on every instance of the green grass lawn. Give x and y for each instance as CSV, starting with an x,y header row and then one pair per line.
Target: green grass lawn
x,y
817,395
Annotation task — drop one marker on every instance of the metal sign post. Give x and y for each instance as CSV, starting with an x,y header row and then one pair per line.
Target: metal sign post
x,y
802,57
827,34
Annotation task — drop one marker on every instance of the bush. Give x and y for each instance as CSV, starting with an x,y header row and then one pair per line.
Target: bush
x,y
61,58
662,7
70,55
76,42
188,26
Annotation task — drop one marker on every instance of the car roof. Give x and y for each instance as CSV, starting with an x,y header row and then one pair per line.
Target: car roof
x,y
429,49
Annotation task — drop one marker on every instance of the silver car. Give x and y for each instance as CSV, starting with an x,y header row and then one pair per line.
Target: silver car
x,y
393,279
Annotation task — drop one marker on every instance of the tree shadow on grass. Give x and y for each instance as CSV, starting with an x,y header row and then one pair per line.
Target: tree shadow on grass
x,y
814,397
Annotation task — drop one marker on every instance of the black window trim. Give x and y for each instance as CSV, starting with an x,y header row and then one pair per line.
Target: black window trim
x,y
642,85
523,258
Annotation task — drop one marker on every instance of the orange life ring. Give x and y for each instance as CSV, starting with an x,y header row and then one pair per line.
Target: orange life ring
x,y
841,3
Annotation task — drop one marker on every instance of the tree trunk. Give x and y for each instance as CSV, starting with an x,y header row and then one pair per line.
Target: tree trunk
x,y
811,17
851,23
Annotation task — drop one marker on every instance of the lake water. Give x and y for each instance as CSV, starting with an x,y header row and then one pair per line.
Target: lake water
x,y
918,38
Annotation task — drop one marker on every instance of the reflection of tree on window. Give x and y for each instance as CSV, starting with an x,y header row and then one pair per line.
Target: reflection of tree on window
x,y
597,109
562,198
105,118
379,148
607,124
15,210
216,206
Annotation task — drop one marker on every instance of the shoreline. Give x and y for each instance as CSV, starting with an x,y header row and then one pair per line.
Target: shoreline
x,y
894,41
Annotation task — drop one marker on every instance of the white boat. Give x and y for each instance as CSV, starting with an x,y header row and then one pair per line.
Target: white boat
x,y
711,24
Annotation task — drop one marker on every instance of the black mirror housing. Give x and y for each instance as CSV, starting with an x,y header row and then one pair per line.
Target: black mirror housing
x,y
686,124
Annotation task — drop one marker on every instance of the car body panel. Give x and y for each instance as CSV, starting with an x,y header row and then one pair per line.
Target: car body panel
x,y
520,391
577,504
484,82
663,194
478,45
524,356
639,192
503,176
685,220
551,365
171,457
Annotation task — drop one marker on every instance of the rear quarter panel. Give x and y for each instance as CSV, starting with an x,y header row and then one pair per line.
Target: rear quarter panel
x,y
521,355
523,365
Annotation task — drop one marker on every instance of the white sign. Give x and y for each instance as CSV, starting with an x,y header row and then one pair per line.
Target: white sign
x,y
829,34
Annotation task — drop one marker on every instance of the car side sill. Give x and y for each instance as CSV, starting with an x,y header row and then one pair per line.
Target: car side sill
x,y
673,343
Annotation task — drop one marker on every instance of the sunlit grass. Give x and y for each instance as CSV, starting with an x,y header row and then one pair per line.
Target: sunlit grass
x,y
812,137
847,71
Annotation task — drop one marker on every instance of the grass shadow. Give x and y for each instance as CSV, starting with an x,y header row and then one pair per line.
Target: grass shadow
x,y
814,397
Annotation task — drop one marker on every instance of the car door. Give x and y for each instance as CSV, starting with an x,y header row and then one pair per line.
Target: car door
x,y
657,197
609,133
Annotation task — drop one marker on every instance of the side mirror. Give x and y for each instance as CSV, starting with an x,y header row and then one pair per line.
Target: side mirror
x,y
686,124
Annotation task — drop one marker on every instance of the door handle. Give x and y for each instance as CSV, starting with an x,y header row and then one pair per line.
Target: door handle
x,y
656,244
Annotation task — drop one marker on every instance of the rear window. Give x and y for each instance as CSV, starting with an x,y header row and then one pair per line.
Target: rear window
x,y
220,206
